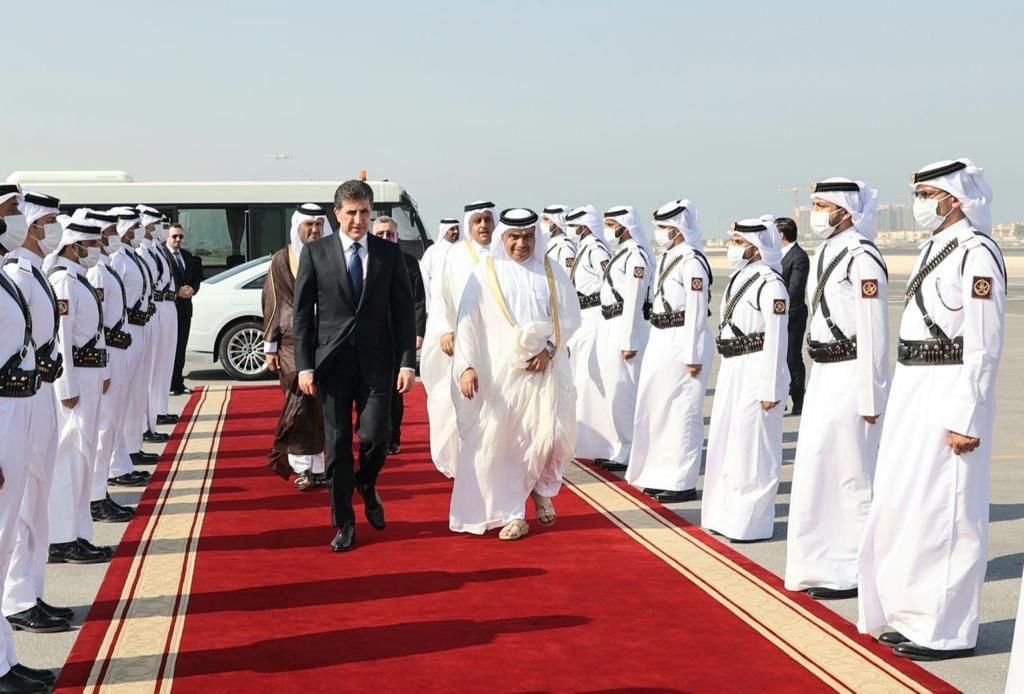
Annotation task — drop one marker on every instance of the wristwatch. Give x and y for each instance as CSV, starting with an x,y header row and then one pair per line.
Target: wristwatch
x,y
550,349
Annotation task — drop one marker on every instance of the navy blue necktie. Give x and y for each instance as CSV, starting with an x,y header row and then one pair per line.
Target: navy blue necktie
x,y
355,274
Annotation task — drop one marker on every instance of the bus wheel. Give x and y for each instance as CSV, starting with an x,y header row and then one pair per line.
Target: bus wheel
x,y
241,352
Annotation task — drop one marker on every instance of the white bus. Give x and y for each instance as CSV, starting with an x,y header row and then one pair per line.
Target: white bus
x,y
226,223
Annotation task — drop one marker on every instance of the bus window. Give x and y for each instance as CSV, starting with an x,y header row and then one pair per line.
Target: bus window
x,y
268,229
408,233
217,235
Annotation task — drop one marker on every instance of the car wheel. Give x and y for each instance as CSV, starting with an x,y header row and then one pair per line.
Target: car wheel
x,y
241,352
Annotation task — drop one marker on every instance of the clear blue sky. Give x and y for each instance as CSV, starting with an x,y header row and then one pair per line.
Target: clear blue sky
x,y
527,102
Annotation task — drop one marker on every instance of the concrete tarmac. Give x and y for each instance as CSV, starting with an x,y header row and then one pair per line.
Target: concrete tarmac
x,y
76,586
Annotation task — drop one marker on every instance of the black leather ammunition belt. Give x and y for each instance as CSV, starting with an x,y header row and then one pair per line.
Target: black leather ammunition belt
x,y
931,352
170,296
158,296
832,352
648,310
612,311
49,370
16,382
150,310
118,339
675,319
589,300
738,346
89,357
137,317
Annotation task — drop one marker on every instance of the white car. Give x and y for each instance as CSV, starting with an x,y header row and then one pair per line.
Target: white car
x,y
227,320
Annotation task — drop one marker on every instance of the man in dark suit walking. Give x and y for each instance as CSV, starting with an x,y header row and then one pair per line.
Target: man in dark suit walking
x,y
353,312
795,266
188,275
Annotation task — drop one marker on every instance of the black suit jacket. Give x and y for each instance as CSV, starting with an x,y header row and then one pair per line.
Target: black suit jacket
x,y
419,296
325,315
193,277
795,268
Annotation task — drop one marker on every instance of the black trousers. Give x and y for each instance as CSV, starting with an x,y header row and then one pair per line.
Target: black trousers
x,y
184,326
795,356
344,384
397,413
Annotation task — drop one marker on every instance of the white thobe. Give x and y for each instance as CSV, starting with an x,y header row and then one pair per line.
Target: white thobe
x,y
629,274
151,331
587,275
837,449
436,366
14,431
519,431
133,273
561,251
430,267
668,429
922,557
744,459
114,403
79,426
165,333
27,570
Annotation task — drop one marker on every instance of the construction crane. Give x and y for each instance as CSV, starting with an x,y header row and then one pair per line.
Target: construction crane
x,y
796,199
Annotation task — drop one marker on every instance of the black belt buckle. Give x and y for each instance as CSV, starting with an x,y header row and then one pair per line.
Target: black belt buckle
x,y
118,339
612,311
49,370
16,382
738,346
589,300
648,310
89,357
136,317
673,319
832,352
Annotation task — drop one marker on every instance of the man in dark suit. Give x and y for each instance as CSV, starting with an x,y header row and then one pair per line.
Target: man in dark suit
x,y
795,266
188,275
386,228
353,312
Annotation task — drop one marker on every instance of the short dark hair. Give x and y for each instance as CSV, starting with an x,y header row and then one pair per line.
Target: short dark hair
x,y
786,227
351,191
176,225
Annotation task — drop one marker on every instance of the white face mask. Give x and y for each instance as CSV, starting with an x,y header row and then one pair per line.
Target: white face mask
x,y
113,244
548,228
820,223
92,257
137,241
736,254
926,213
662,236
51,237
578,231
17,232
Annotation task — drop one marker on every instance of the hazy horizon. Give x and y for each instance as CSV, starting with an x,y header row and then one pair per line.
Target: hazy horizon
x,y
527,104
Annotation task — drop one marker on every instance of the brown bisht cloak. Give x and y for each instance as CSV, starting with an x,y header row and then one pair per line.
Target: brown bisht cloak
x,y
300,429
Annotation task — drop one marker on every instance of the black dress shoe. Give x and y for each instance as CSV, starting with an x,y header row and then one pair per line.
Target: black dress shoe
x,y
372,506
651,491
819,593
141,458
14,683
62,612
611,465
181,390
162,419
73,553
670,497
892,638
102,513
393,449
345,539
35,621
915,652
44,676
130,479
119,507
155,437
107,552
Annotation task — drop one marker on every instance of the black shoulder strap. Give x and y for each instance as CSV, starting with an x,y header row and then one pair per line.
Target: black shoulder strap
x,y
819,294
124,296
914,288
12,289
734,302
99,306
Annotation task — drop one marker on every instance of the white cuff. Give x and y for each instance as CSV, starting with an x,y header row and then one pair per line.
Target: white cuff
x,y
270,348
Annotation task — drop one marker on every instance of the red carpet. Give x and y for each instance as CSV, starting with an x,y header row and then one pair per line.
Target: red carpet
x,y
264,605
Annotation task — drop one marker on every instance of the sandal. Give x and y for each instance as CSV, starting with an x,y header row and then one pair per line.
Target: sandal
x,y
304,481
515,530
545,509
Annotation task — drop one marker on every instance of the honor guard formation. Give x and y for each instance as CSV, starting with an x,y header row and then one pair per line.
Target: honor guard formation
x,y
88,347
544,336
